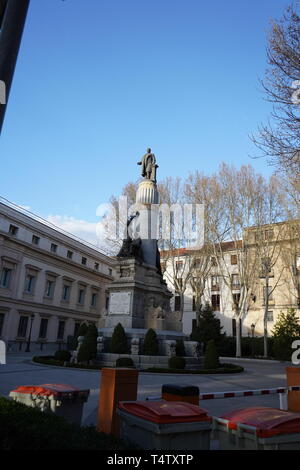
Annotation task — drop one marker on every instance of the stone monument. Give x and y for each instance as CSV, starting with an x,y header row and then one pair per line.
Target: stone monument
x,y
139,298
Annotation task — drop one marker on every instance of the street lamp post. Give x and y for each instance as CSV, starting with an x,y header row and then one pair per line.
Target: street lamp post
x,y
29,336
12,19
252,335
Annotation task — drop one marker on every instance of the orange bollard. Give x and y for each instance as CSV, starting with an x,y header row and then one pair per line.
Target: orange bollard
x,y
116,385
293,378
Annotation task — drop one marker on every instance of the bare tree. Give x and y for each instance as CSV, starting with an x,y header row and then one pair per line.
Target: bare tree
x,y
114,222
265,242
235,199
177,264
199,274
280,139
175,260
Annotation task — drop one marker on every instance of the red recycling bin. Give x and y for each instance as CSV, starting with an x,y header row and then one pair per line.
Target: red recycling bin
x,y
63,400
258,428
165,425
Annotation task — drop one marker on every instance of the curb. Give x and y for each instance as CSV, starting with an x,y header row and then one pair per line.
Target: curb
x,y
63,367
248,359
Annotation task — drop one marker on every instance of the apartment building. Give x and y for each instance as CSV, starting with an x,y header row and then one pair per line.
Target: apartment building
x,y
50,282
273,262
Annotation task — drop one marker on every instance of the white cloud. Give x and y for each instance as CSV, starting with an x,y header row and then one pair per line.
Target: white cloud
x,y
79,228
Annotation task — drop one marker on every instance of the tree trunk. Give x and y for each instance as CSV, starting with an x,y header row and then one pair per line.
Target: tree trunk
x,y
181,305
198,306
265,338
238,338
266,318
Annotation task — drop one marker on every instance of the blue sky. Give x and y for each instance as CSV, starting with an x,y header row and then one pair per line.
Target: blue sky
x,y
98,81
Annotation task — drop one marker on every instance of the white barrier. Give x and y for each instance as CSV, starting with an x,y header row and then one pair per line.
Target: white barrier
x,y
282,391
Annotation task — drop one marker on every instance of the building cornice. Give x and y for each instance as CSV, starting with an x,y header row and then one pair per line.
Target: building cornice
x,y
55,234
21,304
42,255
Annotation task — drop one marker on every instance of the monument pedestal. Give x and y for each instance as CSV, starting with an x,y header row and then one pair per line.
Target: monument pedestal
x,y
139,299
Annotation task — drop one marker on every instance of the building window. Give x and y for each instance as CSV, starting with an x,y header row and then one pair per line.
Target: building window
x,y
215,282
179,267
270,316
35,240
1,323
43,328
83,261
66,293
106,303
13,230
177,304
29,283
69,254
215,301
94,299
96,266
269,234
53,248
49,291
266,265
197,263
235,281
258,235
61,329
267,293
110,272
233,259
236,298
22,329
5,277
81,294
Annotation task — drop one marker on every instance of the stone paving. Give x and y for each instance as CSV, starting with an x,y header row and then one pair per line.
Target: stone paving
x,y
19,370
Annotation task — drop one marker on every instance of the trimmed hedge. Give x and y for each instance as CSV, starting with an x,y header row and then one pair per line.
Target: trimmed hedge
x,y
151,343
62,355
176,362
88,348
118,342
223,369
282,347
124,362
227,346
211,358
26,428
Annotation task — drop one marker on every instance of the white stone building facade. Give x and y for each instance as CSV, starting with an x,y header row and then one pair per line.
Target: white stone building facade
x,y
216,293
50,282
284,283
